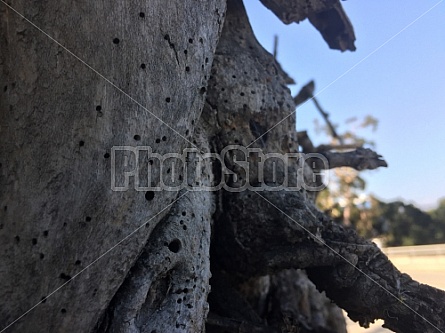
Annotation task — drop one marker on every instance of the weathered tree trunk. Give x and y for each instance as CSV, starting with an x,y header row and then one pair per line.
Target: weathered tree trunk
x,y
78,256
134,75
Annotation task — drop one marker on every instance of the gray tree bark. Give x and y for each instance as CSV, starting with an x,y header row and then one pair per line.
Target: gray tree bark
x,y
79,257
133,75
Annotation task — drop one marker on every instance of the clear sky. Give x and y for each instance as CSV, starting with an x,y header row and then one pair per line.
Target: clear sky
x,y
401,83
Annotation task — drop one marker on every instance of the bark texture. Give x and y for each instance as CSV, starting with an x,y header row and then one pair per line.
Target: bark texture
x,y
258,234
59,121
79,257
327,16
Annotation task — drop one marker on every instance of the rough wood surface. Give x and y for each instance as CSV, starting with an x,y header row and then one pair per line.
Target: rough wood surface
x,y
327,16
63,226
261,233
59,121
246,97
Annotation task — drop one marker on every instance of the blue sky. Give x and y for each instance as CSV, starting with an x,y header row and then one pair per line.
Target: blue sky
x,y
401,83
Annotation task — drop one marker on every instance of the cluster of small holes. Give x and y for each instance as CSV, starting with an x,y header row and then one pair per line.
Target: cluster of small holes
x,y
181,222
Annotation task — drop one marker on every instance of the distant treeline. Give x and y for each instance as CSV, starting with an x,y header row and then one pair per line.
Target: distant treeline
x,y
395,223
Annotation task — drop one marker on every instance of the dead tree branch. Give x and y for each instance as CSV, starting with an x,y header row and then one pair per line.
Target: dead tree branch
x,y
359,159
260,234
306,93
327,16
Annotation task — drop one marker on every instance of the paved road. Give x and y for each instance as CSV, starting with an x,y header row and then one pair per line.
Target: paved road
x,y
425,264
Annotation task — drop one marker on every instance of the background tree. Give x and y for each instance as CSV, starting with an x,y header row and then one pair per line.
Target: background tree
x,y
345,196
404,224
346,201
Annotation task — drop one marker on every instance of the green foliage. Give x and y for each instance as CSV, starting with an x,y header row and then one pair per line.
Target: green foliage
x,y
438,216
408,225
399,224
346,191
